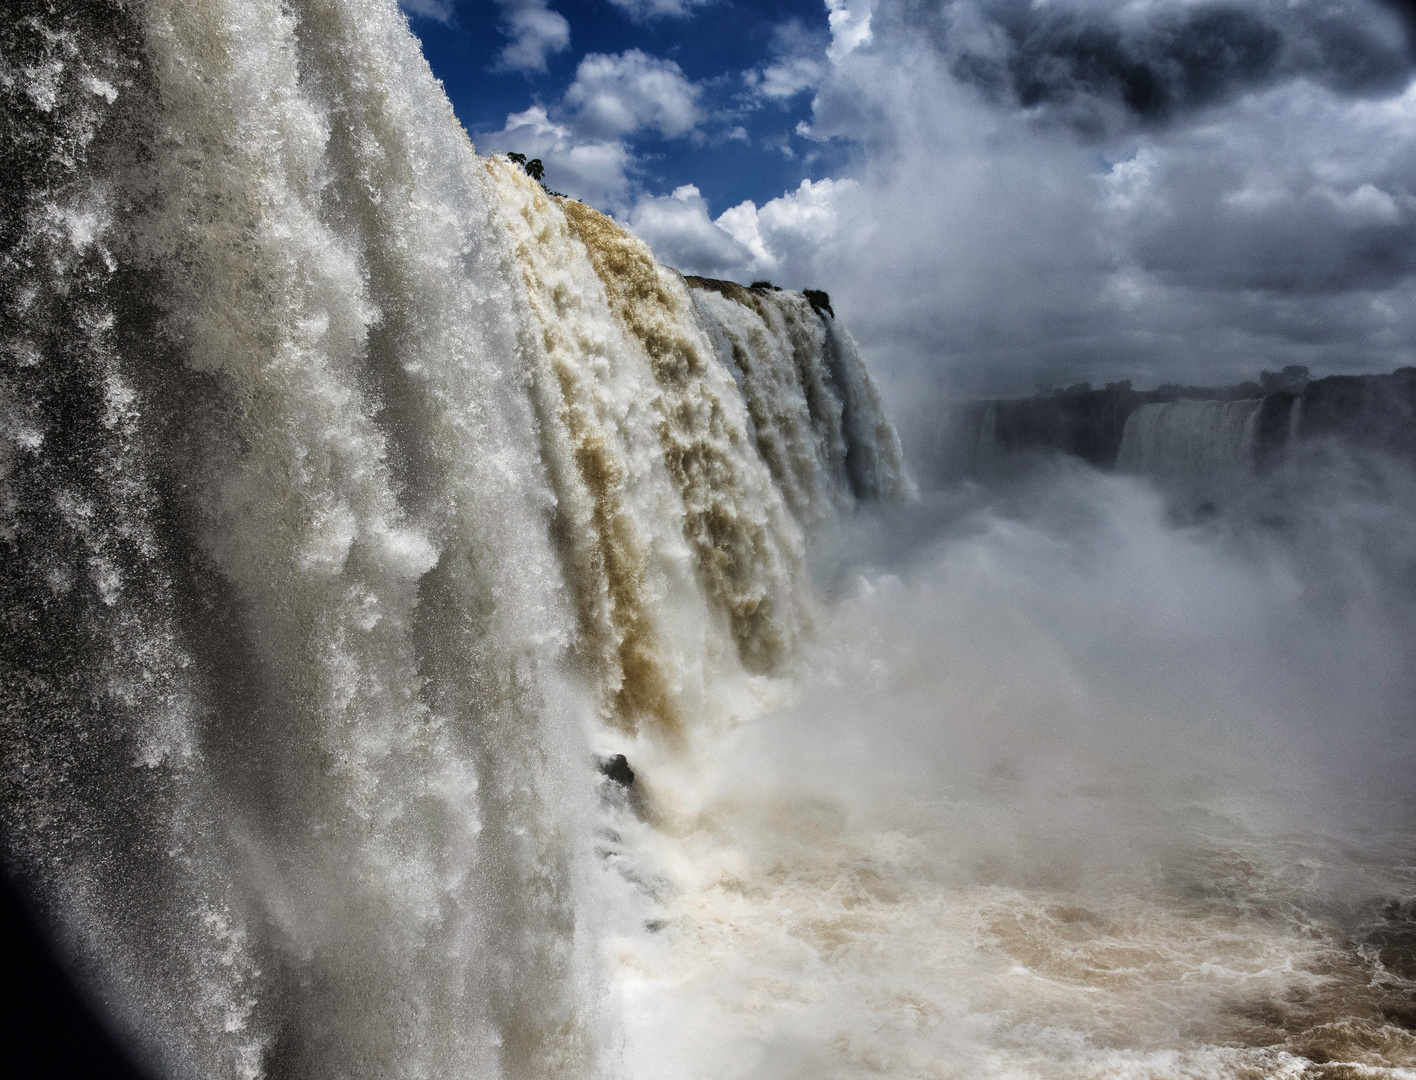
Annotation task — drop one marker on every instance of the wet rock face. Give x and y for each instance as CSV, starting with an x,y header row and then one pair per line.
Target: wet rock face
x,y
1085,423
1375,412
1272,428
617,770
618,788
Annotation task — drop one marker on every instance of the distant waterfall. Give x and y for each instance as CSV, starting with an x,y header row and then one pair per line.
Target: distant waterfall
x,y
352,485
1195,442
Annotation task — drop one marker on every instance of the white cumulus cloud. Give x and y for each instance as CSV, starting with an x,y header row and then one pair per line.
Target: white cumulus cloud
x,y
584,140
798,63
785,237
850,25
679,230
617,95
593,170
787,77
535,30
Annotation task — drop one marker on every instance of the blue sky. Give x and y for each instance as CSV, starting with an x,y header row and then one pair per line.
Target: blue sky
x,y
745,148
997,194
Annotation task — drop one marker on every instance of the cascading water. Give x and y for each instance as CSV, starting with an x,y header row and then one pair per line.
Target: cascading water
x,y
1193,442
355,487
816,417
356,493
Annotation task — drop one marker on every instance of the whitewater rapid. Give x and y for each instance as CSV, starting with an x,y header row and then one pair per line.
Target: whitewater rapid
x,y
358,495
1058,795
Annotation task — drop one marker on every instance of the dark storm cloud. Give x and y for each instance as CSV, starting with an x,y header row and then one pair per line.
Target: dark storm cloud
x,y
1096,66
1295,191
1314,244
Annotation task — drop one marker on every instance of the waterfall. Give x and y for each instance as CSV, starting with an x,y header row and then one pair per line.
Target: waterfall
x,y
815,414
1194,442
354,489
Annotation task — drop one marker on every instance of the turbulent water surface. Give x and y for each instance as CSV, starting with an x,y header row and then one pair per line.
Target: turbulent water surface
x,y
359,495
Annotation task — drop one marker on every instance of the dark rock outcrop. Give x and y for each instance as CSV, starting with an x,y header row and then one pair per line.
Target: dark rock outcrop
x,y
1272,427
819,300
617,769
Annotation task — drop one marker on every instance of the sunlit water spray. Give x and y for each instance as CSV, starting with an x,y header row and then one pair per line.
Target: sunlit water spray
x,y
357,493
1058,795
